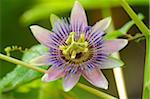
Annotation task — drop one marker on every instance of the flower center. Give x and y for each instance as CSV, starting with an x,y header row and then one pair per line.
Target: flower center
x,y
74,49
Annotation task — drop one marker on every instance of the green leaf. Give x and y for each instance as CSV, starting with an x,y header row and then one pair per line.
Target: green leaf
x,y
54,90
26,88
20,74
50,90
123,30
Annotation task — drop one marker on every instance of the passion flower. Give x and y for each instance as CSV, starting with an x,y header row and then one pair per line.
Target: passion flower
x,y
77,49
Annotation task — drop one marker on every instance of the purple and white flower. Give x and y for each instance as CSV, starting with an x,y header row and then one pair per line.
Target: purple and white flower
x,y
77,49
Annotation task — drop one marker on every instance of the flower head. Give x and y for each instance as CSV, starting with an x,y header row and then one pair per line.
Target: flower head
x,y
77,49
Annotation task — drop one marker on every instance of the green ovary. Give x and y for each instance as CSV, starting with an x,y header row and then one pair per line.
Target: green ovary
x,y
74,48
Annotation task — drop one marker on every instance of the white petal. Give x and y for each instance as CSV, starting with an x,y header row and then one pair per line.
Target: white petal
x,y
41,60
53,73
102,24
71,80
41,34
111,46
95,77
111,62
78,15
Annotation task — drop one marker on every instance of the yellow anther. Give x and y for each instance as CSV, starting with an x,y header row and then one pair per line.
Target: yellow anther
x,y
63,47
70,38
86,44
81,39
73,47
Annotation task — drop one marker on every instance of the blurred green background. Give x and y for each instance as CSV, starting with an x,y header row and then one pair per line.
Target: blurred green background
x,y
17,15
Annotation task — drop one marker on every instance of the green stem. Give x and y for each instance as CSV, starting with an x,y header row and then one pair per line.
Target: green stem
x,y
135,18
134,37
89,89
146,88
15,61
96,92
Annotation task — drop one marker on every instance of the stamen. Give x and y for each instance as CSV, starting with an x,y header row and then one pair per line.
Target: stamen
x,y
74,47
70,38
81,39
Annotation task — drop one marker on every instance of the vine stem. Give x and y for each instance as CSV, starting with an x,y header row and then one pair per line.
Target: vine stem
x,y
119,78
134,37
96,92
146,32
135,18
146,89
16,61
82,86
